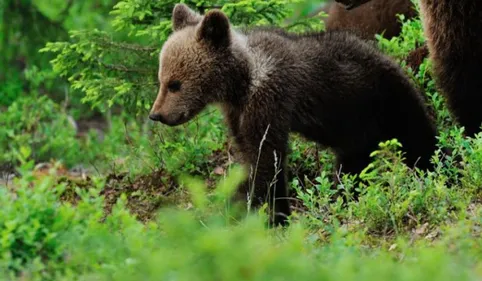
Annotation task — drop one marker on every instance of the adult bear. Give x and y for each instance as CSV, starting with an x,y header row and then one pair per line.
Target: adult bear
x,y
376,17
454,40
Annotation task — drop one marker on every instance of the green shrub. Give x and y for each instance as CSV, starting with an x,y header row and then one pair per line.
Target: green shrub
x,y
32,222
144,146
42,125
52,240
396,197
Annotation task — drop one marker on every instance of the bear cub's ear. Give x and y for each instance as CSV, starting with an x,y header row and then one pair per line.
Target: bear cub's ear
x,y
215,29
183,16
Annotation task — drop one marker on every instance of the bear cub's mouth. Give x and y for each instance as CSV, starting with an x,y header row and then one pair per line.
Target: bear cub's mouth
x,y
171,120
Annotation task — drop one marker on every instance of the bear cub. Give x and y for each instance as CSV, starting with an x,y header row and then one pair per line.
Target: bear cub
x,y
331,87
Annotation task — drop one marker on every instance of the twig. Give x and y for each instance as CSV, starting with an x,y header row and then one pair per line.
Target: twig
x,y
123,68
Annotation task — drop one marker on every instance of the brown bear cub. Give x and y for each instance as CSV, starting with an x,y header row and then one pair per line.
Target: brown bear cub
x,y
454,39
376,17
332,88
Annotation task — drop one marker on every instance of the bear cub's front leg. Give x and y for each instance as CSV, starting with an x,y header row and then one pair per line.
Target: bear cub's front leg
x,y
263,152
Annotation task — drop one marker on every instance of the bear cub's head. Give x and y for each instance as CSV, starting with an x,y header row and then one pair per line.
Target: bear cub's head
x,y
193,65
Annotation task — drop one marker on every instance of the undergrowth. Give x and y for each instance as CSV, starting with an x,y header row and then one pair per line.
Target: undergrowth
x,y
52,239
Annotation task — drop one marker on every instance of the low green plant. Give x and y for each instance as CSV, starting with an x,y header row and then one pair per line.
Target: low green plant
x,y
396,197
33,220
42,125
141,146
52,239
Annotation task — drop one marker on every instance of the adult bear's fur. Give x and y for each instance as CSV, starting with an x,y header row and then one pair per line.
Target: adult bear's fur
x,y
332,88
376,17
416,57
454,39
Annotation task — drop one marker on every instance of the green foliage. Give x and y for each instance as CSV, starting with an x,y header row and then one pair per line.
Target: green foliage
x,y
26,26
189,147
33,222
54,240
472,172
41,125
30,227
411,37
396,197
307,158
392,197
143,147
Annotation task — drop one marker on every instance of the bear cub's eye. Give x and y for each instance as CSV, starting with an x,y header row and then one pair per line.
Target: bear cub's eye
x,y
174,86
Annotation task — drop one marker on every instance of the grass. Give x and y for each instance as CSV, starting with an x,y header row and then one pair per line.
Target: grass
x,y
53,239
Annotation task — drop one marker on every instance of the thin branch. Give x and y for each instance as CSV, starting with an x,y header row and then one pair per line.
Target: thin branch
x,y
131,47
123,68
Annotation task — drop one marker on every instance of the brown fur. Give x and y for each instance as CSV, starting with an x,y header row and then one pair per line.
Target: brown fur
x,y
351,4
454,38
332,88
415,57
375,17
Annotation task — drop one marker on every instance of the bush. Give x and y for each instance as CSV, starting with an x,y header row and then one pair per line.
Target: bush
x,y
42,125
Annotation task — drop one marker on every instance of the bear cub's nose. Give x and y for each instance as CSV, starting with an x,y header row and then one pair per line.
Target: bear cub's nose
x,y
155,117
